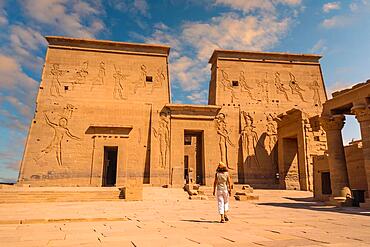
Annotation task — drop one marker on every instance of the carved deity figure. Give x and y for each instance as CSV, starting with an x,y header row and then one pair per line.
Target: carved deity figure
x,y
68,110
271,132
249,139
101,75
55,86
280,86
159,78
118,92
244,84
60,130
227,85
316,94
82,73
263,85
296,89
141,83
224,138
163,135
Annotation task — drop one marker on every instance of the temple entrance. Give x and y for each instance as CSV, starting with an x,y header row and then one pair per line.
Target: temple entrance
x,y
110,166
193,157
325,183
292,174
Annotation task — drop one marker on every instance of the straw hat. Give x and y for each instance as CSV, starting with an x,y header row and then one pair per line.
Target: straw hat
x,y
221,165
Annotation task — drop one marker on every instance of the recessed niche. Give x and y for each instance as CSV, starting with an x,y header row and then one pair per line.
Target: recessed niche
x,y
149,78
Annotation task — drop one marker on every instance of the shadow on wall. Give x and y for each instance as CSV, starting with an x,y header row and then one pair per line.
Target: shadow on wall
x,y
261,162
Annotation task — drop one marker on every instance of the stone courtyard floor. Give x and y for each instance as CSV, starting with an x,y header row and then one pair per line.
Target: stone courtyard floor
x,y
167,218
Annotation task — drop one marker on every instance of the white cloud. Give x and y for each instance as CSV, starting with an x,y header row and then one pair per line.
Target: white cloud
x,y
199,97
131,6
193,42
359,10
234,32
327,7
3,18
337,21
25,42
251,5
320,47
141,6
17,90
75,18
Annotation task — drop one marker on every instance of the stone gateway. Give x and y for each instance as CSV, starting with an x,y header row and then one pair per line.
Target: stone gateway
x,y
104,118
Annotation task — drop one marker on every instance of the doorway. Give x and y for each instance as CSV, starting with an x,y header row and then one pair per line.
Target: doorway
x,y
110,166
193,157
291,170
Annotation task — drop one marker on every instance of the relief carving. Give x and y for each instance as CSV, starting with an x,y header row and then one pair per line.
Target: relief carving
x,y
280,89
101,75
315,87
118,91
224,138
163,135
271,132
60,130
56,86
141,83
82,73
244,85
249,139
296,89
263,85
226,83
159,78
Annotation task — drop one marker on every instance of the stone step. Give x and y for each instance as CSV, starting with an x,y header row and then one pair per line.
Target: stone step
x,y
58,194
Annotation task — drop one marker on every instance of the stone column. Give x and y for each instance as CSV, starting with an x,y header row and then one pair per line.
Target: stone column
x,y
336,158
363,117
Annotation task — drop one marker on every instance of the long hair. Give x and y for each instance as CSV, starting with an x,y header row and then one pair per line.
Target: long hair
x,y
221,169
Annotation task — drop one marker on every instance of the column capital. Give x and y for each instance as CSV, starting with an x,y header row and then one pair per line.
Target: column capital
x,y
334,122
362,112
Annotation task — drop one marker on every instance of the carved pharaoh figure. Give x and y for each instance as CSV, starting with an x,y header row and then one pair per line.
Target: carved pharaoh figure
x,y
55,86
82,73
224,138
118,91
159,78
60,130
163,135
271,132
296,89
141,83
280,86
263,85
227,84
316,95
101,75
249,139
244,85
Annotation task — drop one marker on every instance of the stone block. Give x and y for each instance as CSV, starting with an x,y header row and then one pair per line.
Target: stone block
x,y
247,197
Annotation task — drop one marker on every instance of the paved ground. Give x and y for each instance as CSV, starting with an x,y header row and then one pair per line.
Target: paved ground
x,y
167,218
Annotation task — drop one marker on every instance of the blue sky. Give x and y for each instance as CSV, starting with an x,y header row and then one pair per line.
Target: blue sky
x,y
339,30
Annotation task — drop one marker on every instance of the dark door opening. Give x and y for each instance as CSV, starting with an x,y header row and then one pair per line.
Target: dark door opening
x,y
110,166
193,157
186,168
325,183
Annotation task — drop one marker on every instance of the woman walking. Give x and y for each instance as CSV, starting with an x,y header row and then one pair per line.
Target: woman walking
x,y
223,184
